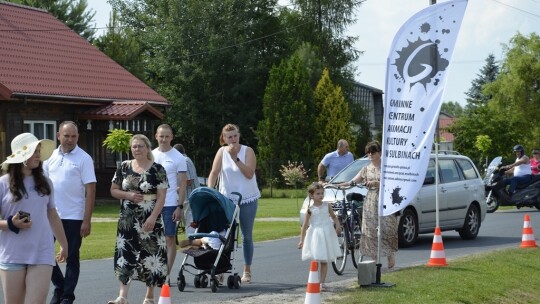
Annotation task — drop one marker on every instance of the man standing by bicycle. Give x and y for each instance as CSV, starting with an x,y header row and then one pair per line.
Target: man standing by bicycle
x,y
335,161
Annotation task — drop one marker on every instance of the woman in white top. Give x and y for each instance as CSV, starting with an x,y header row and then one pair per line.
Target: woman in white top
x,y
29,223
235,165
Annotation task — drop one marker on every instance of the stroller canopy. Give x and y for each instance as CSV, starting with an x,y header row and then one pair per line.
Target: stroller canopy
x,y
212,211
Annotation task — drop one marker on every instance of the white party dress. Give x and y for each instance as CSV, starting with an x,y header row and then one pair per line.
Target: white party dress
x,y
321,242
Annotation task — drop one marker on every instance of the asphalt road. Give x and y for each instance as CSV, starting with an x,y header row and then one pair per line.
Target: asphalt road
x,y
280,276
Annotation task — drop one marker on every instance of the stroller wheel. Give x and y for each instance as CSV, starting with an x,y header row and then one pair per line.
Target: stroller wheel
x,y
204,281
230,282
197,281
181,282
213,285
237,281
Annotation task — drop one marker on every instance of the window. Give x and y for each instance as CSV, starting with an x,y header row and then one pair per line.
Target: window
x,y
449,171
42,129
468,169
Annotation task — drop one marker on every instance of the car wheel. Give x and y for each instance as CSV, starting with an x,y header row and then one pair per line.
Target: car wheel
x,y
407,229
471,227
492,203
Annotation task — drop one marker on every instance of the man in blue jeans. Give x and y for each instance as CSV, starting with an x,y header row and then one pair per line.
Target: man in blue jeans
x,y
71,171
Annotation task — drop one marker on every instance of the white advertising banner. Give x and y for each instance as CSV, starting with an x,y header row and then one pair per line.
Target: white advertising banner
x,y
415,79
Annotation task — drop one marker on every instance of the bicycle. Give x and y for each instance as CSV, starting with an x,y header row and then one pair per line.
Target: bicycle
x,y
349,214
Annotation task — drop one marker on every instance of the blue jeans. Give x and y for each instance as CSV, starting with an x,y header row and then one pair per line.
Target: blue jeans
x,y
247,219
65,286
515,180
168,224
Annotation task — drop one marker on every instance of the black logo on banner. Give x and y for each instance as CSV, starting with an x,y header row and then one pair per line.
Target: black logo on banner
x,y
420,61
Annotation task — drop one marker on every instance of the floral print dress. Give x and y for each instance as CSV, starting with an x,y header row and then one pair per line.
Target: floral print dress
x,y
140,255
370,220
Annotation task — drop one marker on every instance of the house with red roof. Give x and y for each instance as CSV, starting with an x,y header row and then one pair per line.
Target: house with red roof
x,y
49,74
446,138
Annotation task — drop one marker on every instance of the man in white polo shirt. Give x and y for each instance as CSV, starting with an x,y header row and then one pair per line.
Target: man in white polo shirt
x,y
335,161
71,171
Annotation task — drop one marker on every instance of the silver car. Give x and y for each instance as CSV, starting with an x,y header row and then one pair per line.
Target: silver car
x,y
462,205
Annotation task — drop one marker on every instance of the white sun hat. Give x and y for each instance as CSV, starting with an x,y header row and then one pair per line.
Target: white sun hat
x,y
23,147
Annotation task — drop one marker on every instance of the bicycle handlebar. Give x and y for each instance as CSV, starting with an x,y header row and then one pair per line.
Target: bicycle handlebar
x,y
346,187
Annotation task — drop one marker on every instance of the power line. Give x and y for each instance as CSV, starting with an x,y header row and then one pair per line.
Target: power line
x,y
517,9
242,43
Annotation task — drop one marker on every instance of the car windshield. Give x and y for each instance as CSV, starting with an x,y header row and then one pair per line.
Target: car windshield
x,y
350,171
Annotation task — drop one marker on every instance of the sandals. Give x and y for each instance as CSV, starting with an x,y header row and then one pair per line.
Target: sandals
x,y
246,277
119,300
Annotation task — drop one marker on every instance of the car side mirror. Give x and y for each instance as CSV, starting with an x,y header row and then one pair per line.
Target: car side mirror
x,y
429,180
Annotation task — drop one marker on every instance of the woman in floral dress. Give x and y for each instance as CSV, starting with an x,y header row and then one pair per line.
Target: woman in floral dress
x,y
371,176
140,251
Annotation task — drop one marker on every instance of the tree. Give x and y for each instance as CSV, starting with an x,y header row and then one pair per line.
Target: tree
x,y
75,14
488,74
289,111
323,24
209,59
120,45
480,119
516,91
453,108
483,144
333,120
118,141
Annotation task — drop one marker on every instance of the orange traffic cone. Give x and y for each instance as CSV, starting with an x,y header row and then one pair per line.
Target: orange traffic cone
x,y
528,241
437,257
165,297
313,291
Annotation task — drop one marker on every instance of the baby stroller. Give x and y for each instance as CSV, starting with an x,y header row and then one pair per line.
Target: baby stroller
x,y
212,211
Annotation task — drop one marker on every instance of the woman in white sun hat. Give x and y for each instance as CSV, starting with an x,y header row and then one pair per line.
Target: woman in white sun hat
x,y
28,222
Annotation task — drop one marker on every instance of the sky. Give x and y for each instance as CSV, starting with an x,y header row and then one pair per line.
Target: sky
x,y
487,26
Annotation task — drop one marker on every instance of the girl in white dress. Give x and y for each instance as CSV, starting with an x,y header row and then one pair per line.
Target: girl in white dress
x,y
319,242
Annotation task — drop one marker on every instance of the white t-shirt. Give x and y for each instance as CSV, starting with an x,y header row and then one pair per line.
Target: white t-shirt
x,y
173,162
214,242
69,173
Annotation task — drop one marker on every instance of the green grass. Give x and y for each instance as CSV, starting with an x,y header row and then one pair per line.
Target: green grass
x,y
504,276
100,243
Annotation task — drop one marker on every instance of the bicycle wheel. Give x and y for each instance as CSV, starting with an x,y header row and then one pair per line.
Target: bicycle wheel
x,y
356,255
339,263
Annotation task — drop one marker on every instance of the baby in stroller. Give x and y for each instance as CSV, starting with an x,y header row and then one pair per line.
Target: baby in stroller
x,y
212,253
207,242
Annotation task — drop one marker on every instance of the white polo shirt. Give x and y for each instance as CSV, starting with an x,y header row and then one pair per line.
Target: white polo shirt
x,y
69,173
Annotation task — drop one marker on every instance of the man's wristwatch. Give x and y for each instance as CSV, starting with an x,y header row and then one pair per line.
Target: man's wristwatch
x,y
180,206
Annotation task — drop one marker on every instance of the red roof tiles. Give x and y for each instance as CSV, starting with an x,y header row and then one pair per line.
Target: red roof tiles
x,y
39,55
121,111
